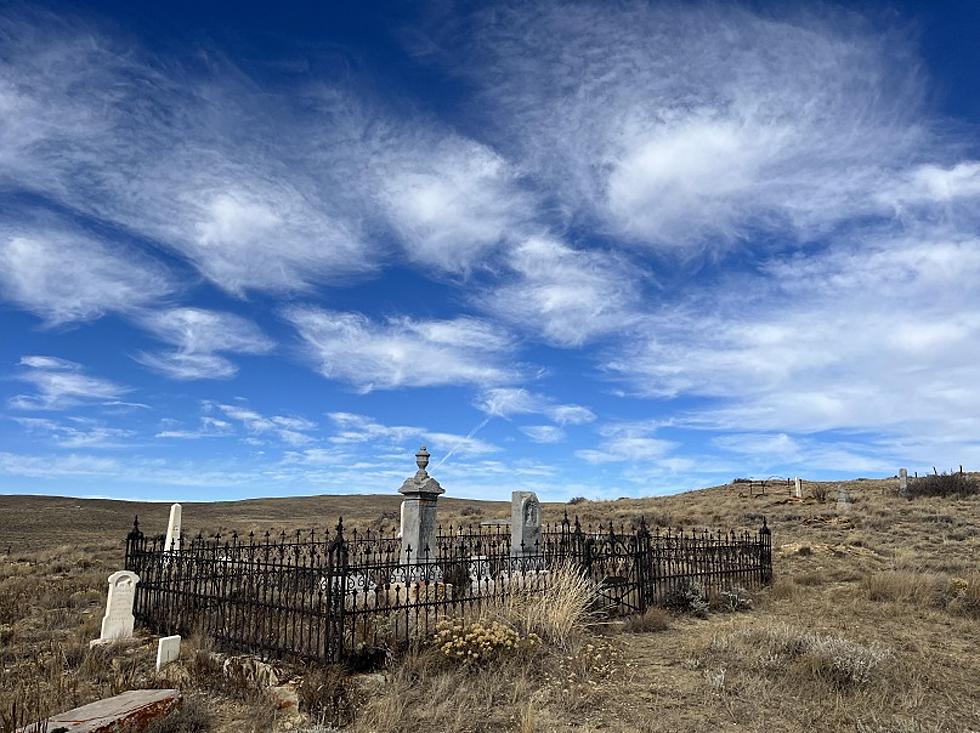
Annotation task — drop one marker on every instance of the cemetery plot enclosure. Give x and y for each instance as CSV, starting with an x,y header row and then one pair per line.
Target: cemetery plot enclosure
x,y
330,595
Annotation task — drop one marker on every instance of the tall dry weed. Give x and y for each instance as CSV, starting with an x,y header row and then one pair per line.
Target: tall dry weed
x,y
557,615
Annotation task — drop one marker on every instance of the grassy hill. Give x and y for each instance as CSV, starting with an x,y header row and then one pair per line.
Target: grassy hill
x,y
871,625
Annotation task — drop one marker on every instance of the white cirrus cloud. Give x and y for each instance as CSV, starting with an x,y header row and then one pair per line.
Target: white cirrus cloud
x,y
47,466
261,187
198,336
60,383
354,428
401,351
63,274
880,336
78,432
507,401
289,429
566,296
453,204
544,433
688,127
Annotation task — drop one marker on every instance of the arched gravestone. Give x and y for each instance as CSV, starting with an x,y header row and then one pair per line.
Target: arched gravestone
x,y
525,523
118,622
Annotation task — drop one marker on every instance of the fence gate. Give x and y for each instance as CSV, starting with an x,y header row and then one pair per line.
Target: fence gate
x,y
617,563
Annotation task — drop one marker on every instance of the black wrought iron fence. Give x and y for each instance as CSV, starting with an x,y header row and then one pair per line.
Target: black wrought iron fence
x,y
328,595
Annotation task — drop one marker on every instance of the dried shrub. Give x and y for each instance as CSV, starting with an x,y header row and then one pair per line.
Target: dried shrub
x,y
733,600
965,596
329,695
820,492
944,484
191,717
654,619
689,598
477,642
841,662
577,500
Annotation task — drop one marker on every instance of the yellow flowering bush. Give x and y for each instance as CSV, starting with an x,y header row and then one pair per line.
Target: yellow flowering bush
x,y
477,641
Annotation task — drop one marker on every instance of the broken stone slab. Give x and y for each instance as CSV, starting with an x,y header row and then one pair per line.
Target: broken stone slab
x,y
131,711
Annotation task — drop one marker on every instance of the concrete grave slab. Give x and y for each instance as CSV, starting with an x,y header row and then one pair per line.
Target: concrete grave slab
x,y
131,711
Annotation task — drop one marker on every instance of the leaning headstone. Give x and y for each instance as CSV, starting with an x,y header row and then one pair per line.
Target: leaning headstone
x,y
903,482
173,530
117,624
798,488
525,523
168,650
419,512
133,710
843,498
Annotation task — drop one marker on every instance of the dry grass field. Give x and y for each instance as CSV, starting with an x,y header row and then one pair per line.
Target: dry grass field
x,y
872,624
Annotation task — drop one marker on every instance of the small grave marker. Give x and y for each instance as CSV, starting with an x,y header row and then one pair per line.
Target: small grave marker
x,y
168,650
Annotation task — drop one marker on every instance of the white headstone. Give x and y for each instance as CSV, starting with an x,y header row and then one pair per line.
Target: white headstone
x,y
117,624
843,498
173,530
798,488
903,481
168,650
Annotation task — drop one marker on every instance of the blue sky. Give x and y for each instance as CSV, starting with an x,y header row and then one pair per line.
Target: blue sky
x,y
583,249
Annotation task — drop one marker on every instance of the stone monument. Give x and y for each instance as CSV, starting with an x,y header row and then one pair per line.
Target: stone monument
x,y
525,523
117,624
843,498
903,482
173,530
798,488
419,512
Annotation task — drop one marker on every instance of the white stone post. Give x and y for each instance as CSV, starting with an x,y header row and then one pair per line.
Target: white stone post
x,y
118,622
419,512
525,523
903,481
173,530
798,488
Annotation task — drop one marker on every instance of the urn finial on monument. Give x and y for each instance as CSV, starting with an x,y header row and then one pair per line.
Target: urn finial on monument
x,y
421,483
419,512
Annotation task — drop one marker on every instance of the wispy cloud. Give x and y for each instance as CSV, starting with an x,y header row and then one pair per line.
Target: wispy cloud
x,y
507,401
884,339
628,441
355,428
197,335
544,433
288,429
688,127
60,383
63,274
452,206
403,352
565,296
77,432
